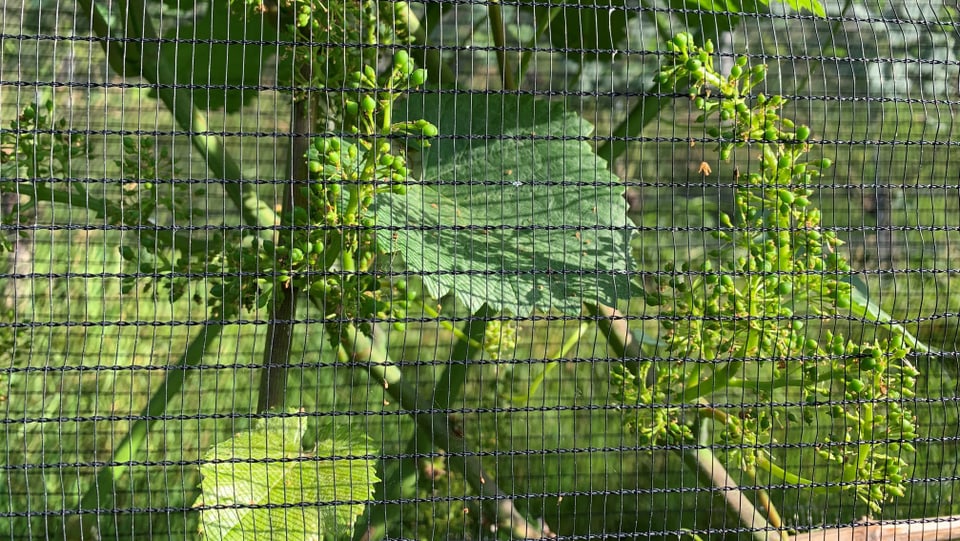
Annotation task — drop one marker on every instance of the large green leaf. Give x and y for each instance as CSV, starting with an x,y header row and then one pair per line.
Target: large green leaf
x,y
515,209
261,485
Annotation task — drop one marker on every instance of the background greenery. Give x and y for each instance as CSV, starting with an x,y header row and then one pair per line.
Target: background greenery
x,y
69,391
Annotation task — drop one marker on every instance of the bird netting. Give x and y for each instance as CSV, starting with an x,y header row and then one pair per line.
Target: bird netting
x,y
475,270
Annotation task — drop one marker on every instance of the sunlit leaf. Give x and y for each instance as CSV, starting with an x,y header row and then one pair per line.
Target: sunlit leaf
x,y
527,219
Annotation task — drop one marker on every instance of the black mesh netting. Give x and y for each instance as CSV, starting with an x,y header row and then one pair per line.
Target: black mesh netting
x,y
464,270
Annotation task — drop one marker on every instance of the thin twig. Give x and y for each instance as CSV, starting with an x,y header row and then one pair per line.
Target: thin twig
x,y
279,340
710,469
442,430
543,22
499,31
399,473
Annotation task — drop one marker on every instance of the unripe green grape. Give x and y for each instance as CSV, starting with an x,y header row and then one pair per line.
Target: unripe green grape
x,y
352,108
786,196
401,59
785,287
370,74
427,129
369,104
418,77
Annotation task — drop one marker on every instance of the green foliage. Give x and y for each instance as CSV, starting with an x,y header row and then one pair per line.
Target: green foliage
x,y
210,54
741,314
262,483
591,30
539,180
42,151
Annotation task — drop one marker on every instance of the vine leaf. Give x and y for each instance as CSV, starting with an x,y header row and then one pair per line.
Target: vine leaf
x,y
261,481
495,219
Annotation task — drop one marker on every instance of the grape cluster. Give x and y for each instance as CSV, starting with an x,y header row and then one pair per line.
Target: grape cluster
x,y
732,314
500,337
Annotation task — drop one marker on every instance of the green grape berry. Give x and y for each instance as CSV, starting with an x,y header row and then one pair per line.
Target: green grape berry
x,y
401,60
370,75
368,104
855,385
693,65
786,196
427,129
785,287
418,77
